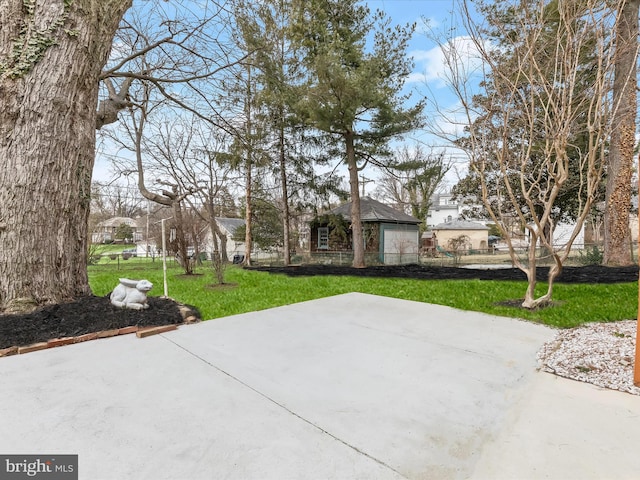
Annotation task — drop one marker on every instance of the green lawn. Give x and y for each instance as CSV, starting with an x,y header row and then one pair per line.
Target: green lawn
x,y
575,304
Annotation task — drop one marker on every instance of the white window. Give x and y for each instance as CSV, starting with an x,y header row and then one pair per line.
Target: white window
x,y
323,238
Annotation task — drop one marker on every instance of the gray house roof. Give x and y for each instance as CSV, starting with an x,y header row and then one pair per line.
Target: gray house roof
x,y
373,211
460,225
230,224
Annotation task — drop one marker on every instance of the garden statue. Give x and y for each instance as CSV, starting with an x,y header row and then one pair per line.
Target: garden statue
x,y
131,294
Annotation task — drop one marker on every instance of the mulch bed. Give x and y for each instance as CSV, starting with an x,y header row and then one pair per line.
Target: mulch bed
x,y
86,315
588,274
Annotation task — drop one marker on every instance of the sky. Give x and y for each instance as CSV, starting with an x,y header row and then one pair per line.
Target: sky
x,y
427,80
436,20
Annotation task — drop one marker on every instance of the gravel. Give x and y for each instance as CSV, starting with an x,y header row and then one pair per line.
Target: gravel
x,y
598,353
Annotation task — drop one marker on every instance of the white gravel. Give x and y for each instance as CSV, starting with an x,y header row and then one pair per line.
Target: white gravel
x,y
598,353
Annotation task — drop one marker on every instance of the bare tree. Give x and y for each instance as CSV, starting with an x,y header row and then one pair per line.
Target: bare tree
x,y
457,246
197,159
180,51
520,135
52,56
412,178
173,196
116,200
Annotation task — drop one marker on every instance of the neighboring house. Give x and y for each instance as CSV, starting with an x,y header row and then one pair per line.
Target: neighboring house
x,y
478,234
228,227
106,231
443,209
561,235
390,236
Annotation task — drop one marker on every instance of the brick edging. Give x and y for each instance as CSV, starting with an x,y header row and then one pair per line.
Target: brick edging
x,y
141,332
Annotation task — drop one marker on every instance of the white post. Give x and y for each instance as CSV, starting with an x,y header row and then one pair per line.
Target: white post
x,y
164,260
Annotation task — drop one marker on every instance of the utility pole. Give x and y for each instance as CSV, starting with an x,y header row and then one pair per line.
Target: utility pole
x,y
364,181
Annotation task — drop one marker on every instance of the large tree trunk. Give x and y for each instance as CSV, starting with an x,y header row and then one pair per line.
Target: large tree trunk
x,y
181,239
248,213
617,237
51,56
286,221
356,221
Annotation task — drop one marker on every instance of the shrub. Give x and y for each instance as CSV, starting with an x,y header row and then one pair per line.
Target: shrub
x,y
591,256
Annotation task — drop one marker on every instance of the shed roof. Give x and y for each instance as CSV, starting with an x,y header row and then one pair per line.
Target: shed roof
x,y
373,211
460,225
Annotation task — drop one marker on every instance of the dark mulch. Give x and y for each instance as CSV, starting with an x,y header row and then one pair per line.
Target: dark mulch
x,y
588,274
85,315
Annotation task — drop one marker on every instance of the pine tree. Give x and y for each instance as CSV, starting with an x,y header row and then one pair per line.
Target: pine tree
x,y
352,90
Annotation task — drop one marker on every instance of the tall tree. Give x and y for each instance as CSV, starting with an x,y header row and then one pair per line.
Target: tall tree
x,y
617,235
524,134
195,158
51,56
265,28
352,89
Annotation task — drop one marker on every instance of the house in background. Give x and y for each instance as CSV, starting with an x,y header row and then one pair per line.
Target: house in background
x,y
443,209
105,232
391,236
228,227
478,234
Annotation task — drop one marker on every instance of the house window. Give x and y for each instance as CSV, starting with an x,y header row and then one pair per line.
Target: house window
x,y
323,238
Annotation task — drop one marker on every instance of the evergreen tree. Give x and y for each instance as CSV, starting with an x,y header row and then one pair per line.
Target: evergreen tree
x,y
352,90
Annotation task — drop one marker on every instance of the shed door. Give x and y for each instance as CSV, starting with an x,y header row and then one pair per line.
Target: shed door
x,y
400,246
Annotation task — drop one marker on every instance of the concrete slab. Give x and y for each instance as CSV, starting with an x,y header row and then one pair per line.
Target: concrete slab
x,y
566,430
147,409
353,386
418,387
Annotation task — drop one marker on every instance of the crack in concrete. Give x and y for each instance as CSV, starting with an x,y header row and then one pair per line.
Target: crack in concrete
x,y
287,409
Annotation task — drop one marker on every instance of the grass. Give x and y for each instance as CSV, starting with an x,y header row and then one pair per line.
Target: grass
x,y
574,305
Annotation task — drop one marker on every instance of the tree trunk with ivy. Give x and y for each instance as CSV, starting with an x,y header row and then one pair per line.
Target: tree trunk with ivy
x,y
51,56
617,234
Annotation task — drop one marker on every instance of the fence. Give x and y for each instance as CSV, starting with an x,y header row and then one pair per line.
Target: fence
x,y
580,255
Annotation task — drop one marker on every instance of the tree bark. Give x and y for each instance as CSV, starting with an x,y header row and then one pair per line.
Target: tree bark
x,y
181,238
219,254
247,216
356,221
617,236
51,56
286,221
249,174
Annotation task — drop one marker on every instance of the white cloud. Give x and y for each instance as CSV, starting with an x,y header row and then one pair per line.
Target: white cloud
x,y
434,66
